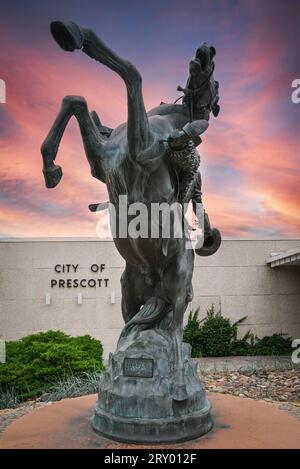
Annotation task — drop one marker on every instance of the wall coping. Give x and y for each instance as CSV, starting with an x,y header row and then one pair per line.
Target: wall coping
x,y
245,363
95,239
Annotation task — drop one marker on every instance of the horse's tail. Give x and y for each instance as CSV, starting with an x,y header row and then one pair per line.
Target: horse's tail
x,y
154,310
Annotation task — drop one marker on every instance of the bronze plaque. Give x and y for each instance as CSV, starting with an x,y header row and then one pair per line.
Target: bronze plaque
x,y
138,367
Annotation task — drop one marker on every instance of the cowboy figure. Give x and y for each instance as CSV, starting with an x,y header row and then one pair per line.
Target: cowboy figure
x,y
201,97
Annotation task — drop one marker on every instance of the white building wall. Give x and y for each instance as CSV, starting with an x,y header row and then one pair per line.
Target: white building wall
x,y
235,278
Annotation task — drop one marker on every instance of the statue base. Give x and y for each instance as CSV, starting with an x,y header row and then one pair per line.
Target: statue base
x,y
138,402
156,431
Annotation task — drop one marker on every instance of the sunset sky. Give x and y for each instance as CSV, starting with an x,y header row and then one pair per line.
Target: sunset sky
x,y
250,154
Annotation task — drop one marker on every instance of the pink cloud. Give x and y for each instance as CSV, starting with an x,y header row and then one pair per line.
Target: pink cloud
x,y
264,198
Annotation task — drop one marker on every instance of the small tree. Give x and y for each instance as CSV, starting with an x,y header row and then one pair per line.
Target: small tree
x,y
213,336
216,334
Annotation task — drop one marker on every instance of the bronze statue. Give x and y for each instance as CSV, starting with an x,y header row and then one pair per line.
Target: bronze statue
x,y
151,158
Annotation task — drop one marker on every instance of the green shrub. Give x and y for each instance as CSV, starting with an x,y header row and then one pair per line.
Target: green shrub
x,y
216,336
212,336
36,361
245,345
276,344
241,347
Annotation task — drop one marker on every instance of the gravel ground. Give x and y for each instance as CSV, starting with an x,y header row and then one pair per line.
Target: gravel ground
x,y
280,388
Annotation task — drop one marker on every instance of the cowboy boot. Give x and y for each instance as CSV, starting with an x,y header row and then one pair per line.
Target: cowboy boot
x,y
212,239
179,139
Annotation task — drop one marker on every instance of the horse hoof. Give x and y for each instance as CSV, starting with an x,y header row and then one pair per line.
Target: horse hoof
x,y
52,176
180,393
211,244
67,35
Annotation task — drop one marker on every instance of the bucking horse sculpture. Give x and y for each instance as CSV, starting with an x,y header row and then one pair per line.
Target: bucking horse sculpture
x,y
151,158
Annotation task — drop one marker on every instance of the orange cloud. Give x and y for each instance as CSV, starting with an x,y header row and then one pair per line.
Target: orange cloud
x,y
249,154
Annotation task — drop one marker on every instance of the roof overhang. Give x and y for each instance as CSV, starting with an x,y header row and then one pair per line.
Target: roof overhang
x,y
285,258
